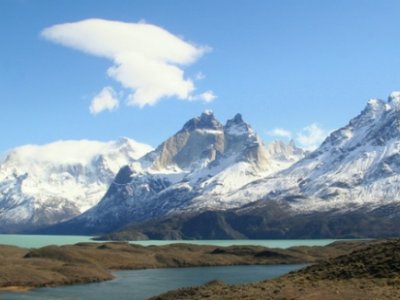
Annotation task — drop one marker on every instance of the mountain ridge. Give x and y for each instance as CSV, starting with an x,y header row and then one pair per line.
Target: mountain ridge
x,y
357,164
191,171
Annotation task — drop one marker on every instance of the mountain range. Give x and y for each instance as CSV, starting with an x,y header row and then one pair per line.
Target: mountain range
x,y
195,170
348,187
213,180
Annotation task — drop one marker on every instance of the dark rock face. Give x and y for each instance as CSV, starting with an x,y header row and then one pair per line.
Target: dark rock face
x,y
271,220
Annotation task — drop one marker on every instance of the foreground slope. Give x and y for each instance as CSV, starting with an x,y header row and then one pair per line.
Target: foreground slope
x,y
372,273
50,183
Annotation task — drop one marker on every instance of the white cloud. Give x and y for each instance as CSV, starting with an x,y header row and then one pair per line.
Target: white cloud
x,y
280,132
147,59
105,100
207,96
311,136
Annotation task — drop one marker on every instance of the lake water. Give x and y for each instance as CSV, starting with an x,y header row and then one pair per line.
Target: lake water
x,y
141,284
35,241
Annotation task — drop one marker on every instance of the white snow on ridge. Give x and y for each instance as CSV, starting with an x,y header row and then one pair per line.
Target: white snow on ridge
x,y
357,165
63,178
209,131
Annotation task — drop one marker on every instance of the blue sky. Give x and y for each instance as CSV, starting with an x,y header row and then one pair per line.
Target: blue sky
x,y
285,65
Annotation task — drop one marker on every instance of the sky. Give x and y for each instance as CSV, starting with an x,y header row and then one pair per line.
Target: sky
x,y
100,70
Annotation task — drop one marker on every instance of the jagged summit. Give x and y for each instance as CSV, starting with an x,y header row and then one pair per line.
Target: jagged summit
x,y
376,125
284,151
198,140
237,119
203,139
394,98
206,120
236,126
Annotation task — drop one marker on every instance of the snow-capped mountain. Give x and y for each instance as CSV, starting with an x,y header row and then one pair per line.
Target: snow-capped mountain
x,y
50,183
194,170
233,187
357,165
348,188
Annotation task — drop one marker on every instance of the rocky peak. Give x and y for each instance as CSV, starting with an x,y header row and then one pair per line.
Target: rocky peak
x,y
279,150
378,123
373,110
237,119
394,96
376,109
394,100
191,144
237,127
206,120
374,106
203,139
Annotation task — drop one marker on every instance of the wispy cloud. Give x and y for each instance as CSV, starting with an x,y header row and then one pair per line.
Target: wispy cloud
x,y
207,96
147,59
279,132
311,136
105,100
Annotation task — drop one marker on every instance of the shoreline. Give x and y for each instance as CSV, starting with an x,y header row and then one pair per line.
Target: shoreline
x,y
16,289
24,269
371,272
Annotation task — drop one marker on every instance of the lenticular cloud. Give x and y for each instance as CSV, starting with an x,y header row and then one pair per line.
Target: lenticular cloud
x,y
147,59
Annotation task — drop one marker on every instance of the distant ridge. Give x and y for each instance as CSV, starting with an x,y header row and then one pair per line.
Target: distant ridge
x,y
46,184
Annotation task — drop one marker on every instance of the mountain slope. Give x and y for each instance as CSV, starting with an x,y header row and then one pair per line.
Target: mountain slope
x,y
50,183
356,166
192,171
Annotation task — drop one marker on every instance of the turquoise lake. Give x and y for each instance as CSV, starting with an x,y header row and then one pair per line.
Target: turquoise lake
x,y
141,284
35,241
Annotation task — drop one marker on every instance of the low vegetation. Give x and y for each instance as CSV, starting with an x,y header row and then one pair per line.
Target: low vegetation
x,y
341,270
371,272
90,262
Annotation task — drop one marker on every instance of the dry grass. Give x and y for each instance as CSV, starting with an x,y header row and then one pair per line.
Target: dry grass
x,y
91,262
367,273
